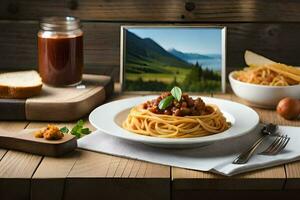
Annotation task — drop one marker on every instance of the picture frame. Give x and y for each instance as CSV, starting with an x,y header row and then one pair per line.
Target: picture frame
x,y
125,76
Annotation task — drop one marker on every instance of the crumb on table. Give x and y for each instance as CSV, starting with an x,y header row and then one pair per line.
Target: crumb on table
x,y
52,132
39,134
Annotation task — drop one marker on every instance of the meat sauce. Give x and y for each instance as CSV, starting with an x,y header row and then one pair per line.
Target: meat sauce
x,y
187,106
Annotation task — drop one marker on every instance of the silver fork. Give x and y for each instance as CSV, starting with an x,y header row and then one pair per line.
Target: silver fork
x,y
267,130
277,146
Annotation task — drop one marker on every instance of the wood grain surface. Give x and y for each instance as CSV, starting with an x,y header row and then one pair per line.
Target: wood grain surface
x,y
293,176
85,174
48,182
104,176
26,141
268,27
155,10
71,103
60,104
16,168
10,127
17,105
18,48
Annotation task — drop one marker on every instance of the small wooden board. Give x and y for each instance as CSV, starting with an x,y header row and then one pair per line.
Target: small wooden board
x,y
25,141
60,104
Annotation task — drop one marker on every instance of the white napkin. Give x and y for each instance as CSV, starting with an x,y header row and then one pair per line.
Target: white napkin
x,y
216,158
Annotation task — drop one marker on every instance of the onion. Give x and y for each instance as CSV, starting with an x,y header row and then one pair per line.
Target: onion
x,y
288,108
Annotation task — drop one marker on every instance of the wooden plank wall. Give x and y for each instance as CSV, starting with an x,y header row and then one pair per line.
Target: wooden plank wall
x,y
268,27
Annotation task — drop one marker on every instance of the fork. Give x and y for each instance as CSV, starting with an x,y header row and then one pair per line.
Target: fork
x,y
277,146
267,130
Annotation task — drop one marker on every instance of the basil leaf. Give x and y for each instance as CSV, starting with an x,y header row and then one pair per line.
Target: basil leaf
x,y
164,103
64,130
80,123
176,93
75,129
79,131
85,131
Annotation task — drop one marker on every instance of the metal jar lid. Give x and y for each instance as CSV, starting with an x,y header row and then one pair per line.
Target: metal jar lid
x,y
60,23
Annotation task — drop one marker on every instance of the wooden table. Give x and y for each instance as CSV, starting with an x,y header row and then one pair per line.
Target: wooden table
x,y
89,175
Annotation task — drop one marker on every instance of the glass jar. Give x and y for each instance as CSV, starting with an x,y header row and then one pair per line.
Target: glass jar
x,y
60,51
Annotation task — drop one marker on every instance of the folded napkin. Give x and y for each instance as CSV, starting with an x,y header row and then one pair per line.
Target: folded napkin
x,y
216,157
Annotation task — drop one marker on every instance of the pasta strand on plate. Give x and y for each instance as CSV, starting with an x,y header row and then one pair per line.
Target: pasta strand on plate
x,y
175,115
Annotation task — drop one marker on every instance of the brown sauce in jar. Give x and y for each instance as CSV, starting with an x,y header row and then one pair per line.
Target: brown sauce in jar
x,y
60,59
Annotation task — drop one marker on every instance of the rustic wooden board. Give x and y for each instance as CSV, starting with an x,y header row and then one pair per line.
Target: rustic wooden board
x,y
157,10
26,141
293,176
49,179
15,105
266,179
95,175
18,48
234,194
10,127
84,174
109,177
61,104
16,168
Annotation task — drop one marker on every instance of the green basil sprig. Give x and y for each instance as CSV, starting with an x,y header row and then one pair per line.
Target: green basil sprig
x,y
176,94
164,103
78,130
64,130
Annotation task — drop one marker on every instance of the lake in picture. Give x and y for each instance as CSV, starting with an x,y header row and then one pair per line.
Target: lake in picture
x,y
157,59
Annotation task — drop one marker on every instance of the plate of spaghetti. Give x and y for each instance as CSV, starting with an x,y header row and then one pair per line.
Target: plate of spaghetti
x,y
263,83
174,119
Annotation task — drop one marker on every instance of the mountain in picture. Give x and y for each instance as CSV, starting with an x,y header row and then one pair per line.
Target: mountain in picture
x,y
146,51
210,61
188,56
215,56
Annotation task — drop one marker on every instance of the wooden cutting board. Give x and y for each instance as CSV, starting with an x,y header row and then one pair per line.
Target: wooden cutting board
x,y
26,141
60,104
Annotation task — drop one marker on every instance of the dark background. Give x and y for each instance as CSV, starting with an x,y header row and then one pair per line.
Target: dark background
x,y
268,27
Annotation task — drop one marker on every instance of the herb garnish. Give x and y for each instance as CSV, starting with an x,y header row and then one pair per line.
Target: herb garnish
x,y
164,103
176,94
64,130
78,130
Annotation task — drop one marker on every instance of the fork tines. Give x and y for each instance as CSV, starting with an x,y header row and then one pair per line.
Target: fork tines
x,y
277,146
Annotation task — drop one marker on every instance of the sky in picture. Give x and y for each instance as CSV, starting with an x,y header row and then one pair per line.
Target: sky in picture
x,y
188,40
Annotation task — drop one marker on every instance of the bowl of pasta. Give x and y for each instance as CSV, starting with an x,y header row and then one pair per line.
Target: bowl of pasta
x,y
174,119
264,82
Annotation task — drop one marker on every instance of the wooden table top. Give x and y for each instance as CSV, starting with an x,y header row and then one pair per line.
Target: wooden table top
x,y
90,175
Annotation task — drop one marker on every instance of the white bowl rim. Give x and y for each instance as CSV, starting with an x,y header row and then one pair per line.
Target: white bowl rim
x,y
257,85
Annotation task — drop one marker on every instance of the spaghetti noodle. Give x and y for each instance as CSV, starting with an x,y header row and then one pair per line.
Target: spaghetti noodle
x,y
145,122
272,74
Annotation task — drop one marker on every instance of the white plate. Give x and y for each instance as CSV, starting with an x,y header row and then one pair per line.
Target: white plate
x,y
108,118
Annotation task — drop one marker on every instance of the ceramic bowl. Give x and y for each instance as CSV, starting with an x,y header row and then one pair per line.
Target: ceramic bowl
x,y
262,95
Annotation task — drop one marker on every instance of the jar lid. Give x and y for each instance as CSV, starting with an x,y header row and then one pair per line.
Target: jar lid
x,y
60,23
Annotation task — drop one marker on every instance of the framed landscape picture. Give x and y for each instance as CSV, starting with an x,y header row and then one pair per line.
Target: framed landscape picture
x,y
157,58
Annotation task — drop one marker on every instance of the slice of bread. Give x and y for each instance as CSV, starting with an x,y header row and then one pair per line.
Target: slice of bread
x,y
20,85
